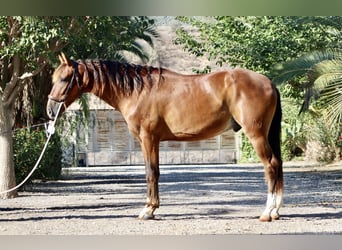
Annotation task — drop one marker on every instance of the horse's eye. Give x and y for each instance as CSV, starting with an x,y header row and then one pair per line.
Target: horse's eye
x,y
64,80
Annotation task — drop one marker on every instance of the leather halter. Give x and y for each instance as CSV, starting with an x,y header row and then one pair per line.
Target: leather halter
x,y
74,80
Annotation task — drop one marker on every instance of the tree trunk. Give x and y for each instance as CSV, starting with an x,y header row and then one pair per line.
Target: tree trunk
x,y
7,175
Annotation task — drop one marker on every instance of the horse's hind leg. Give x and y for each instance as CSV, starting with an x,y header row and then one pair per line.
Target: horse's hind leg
x,y
273,176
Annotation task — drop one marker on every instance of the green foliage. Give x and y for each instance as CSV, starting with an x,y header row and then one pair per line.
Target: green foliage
x,y
248,152
328,86
256,43
27,147
30,37
328,140
36,39
106,37
294,129
319,74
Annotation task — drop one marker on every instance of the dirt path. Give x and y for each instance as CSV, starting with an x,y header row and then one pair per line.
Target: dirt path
x,y
218,199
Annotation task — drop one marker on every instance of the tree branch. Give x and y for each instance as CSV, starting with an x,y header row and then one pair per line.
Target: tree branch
x,y
11,86
33,73
15,86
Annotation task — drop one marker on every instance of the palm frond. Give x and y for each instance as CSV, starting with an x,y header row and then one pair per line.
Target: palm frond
x,y
329,85
332,117
139,50
328,80
328,71
328,77
149,34
323,70
300,67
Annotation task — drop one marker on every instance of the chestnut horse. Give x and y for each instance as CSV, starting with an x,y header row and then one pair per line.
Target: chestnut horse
x,y
158,105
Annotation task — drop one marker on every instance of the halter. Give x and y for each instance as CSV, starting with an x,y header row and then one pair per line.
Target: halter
x,y
74,79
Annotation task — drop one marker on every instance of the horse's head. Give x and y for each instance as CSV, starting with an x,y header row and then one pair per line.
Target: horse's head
x,y
66,86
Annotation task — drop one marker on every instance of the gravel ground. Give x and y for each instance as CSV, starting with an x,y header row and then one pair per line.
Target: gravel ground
x,y
195,200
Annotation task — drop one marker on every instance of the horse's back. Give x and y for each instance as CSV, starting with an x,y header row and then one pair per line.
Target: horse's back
x,y
194,107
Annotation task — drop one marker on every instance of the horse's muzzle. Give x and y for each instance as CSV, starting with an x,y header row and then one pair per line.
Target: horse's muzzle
x,y
52,109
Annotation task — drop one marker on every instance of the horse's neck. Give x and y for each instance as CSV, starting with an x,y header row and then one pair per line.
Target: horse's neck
x,y
109,93
104,96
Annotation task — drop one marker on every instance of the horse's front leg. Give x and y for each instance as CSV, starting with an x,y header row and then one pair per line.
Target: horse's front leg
x,y
150,150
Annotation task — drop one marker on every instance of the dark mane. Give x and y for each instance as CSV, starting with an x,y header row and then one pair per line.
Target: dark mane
x,y
128,77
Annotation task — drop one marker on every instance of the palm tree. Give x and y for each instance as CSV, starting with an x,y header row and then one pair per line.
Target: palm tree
x,y
323,81
320,76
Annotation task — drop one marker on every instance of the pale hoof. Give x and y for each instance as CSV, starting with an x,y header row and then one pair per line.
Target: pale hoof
x,y
146,213
275,216
146,217
265,218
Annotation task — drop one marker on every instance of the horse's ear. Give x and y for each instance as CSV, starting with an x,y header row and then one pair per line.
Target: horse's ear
x,y
60,59
64,59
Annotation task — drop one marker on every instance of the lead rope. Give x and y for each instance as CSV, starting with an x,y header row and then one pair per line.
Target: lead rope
x,y
50,130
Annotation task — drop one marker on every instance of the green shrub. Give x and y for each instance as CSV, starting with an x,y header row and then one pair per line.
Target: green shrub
x,y
322,146
27,146
248,153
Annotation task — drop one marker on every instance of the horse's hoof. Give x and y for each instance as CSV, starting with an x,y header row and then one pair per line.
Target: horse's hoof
x,y
275,216
146,213
146,217
265,218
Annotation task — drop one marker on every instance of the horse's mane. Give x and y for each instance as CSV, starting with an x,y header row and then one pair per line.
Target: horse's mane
x,y
128,77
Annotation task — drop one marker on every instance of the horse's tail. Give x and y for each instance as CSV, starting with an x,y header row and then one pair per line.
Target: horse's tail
x,y
274,139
